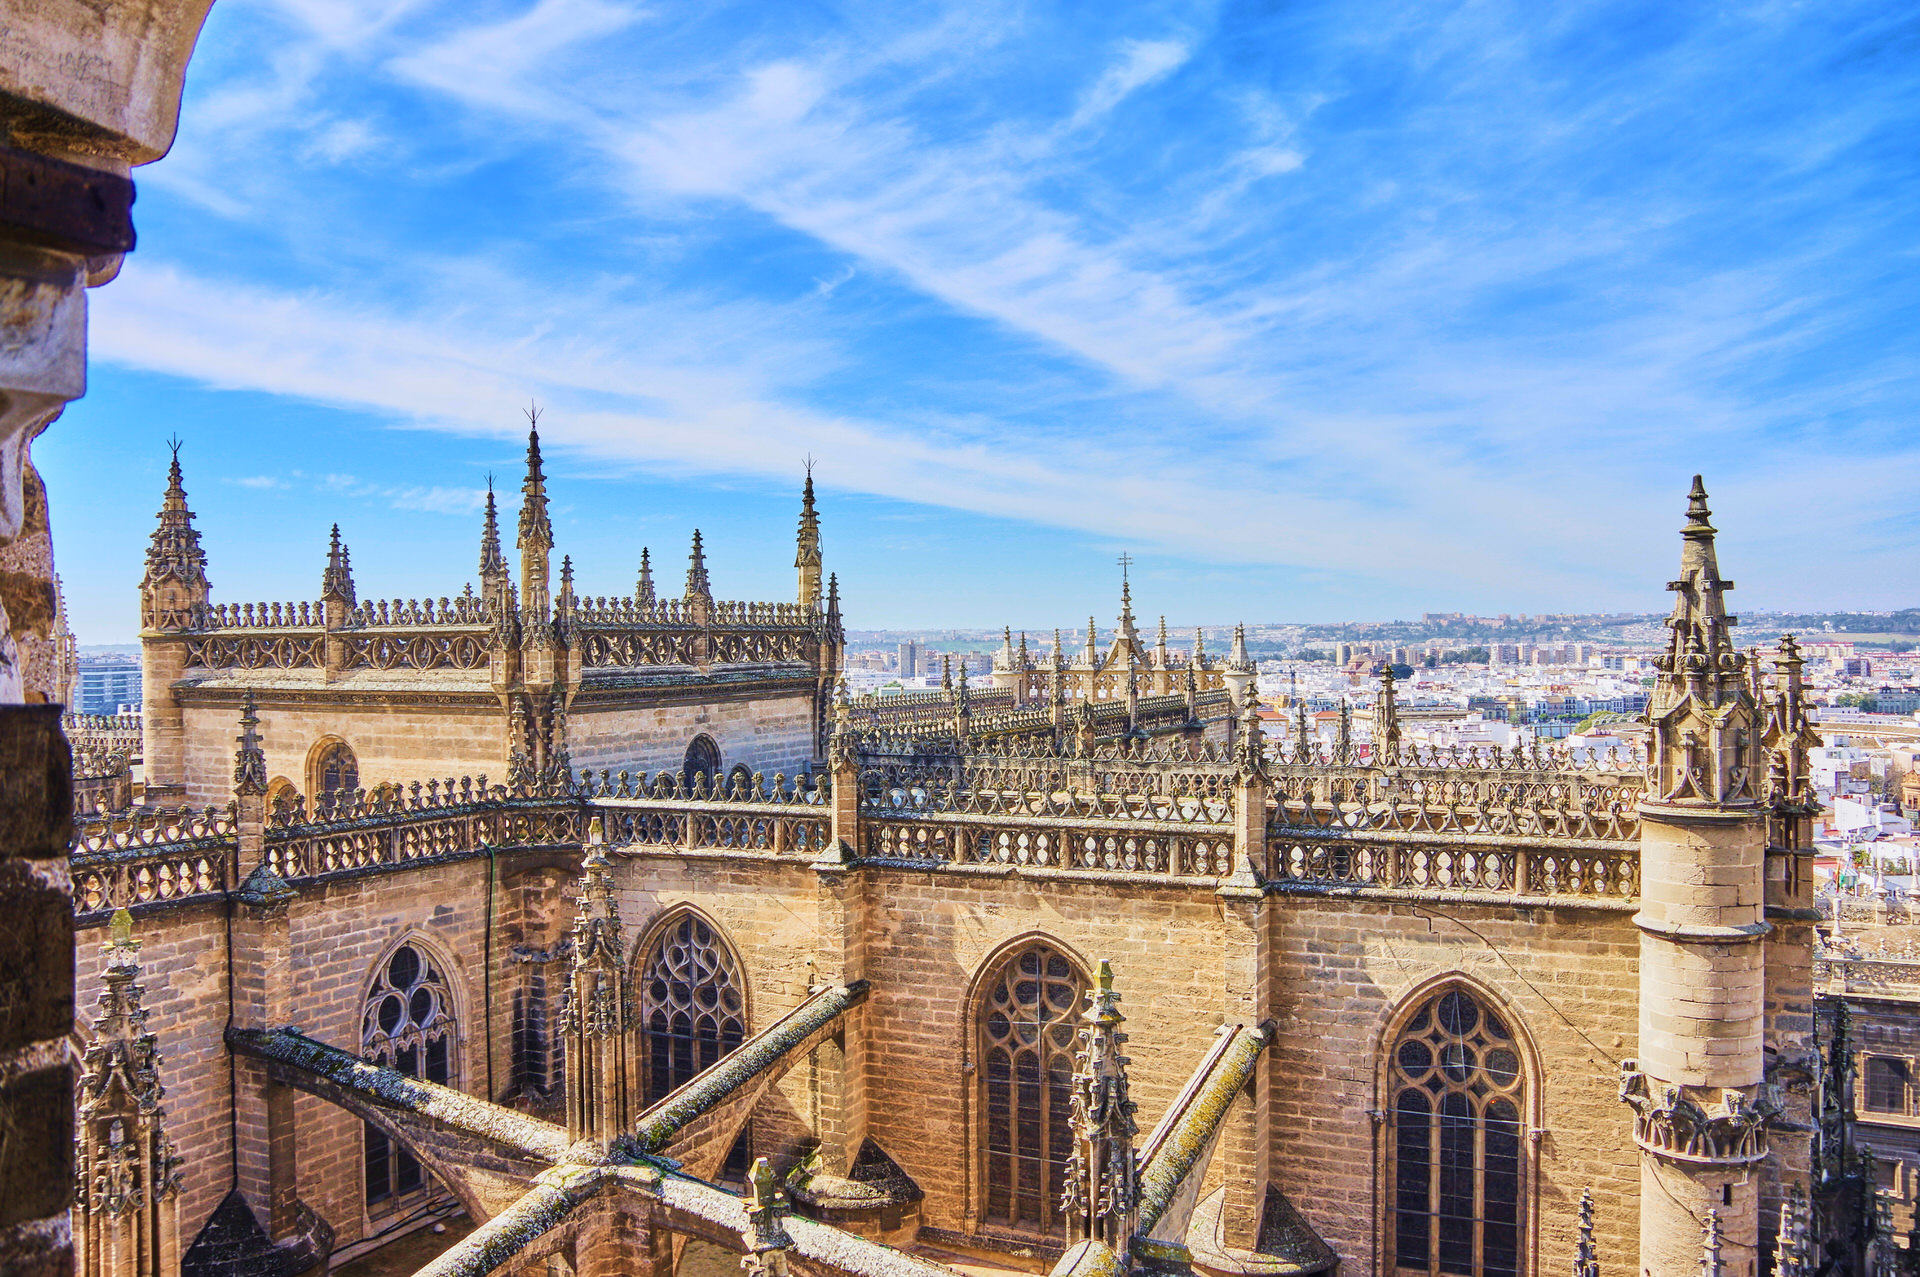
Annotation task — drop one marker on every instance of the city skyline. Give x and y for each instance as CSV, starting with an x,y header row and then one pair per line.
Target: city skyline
x,y
1435,309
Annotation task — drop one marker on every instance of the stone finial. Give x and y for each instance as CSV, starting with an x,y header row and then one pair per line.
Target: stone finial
x,y
767,1241
493,563
643,588
1102,1194
249,761
126,1217
1024,659
1586,1262
535,528
1301,739
1091,653
946,674
1343,743
698,586
833,604
336,583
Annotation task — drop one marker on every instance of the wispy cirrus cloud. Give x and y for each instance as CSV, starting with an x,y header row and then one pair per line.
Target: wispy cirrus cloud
x,y
1419,295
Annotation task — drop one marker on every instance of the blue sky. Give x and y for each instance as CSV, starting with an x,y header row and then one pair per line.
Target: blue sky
x,y
1321,310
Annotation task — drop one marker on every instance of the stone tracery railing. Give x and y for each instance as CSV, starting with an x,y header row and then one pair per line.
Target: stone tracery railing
x,y
1150,809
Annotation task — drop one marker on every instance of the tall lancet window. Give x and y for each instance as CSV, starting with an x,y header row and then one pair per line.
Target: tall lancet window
x,y
693,1010
406,1024
1458,1096
1027,1012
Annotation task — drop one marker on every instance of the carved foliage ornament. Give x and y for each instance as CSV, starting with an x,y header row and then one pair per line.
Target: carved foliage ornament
x,y
1725,1125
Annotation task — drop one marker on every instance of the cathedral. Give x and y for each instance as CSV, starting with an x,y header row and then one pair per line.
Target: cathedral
x,y
619,927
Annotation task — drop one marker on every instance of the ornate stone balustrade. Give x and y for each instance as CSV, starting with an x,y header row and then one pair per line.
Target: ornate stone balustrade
x,y
415,650
1545,870
271,650
1195,850
1154,808
150,854
466,609
103,733
259,616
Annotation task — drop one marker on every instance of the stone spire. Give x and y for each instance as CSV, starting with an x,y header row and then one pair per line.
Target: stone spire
x,y
1237,658
493,563
1302,731
643,588
336,583
1199,647
1705,745
833,606
127,1215
1091,653
1160,656
807,557
175,585
1343,743
1023,657
535,541
1239,672
698,586
1102,1194
599,1010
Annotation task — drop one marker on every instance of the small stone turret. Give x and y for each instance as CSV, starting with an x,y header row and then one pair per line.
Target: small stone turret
x,y
1697,1088
807,556
126,1218
598,1018
173,600
174,589
1386,721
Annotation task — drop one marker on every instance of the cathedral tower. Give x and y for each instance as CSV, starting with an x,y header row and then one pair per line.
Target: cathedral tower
x,y
1700,1106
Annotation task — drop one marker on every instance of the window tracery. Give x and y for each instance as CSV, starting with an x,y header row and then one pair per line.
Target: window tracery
x,y
1027,1017
1458,1094
692,1011
407,1024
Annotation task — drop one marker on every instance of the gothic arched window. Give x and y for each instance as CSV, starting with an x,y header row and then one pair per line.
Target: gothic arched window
x,y
406,1024
693,1010
1457,1099
692,1004
1028,1013
703,759
336,769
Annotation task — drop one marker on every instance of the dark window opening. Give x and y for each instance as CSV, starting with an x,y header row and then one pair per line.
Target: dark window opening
x,y
1027,1036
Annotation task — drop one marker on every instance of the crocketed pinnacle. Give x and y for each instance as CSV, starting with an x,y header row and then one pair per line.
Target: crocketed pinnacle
x,y
808,554
337,581
1237,658
175,549
1698,643
643,589
697,584
1103,1190
536,532
493,563
249,761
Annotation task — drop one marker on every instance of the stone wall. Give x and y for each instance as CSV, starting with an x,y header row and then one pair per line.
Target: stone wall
x,y
764,733
404,743
1331,973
